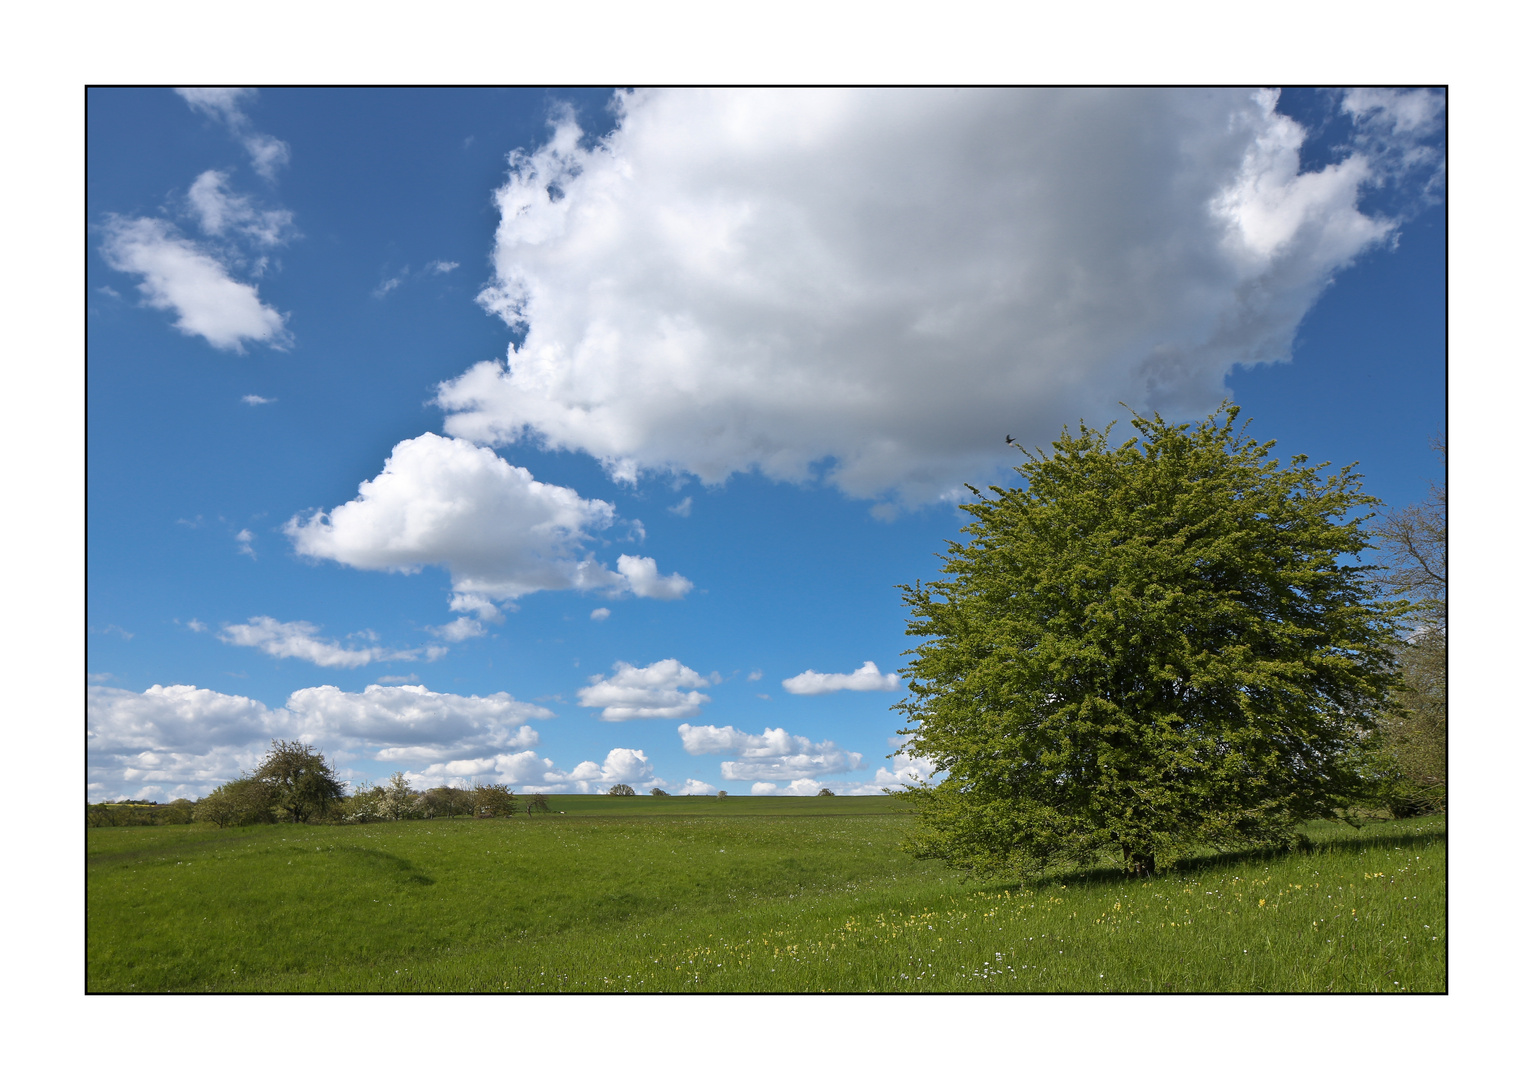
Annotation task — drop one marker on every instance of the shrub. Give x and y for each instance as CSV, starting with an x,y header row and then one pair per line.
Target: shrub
x,y
246,801
658,791
493,800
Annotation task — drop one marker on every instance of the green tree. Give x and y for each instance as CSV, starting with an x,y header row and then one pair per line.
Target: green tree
x,y
620,789
302,782
1148,647
245,801
493,800
658,791
1413,735
825,791
447,802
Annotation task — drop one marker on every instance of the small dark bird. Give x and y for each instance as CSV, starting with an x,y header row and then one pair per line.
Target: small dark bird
x,y
1009,440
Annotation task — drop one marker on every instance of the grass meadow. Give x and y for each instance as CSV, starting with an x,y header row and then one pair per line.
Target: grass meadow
x,y
741,894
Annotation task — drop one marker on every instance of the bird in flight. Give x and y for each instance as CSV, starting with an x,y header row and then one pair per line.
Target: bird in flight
x,y
1009,440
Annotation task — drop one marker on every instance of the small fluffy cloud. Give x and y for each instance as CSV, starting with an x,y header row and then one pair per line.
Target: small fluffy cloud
x,y
683,508
500,533
643,578
659,690
864,678
257,399
460,629
245,538
220,211
297,640
698,787
892,280
774,755
179,276
600,614
388,285
225,105
440,266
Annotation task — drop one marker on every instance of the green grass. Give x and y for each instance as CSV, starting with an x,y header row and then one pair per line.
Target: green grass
x,y
739,894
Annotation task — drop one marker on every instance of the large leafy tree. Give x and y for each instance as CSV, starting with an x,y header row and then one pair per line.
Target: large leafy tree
x,y
301,781
1147,647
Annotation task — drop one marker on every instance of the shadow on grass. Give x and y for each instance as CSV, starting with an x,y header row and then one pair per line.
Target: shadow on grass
x,y
1223,860
385,862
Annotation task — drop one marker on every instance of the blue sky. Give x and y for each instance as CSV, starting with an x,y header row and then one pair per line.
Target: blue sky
x,y
657,398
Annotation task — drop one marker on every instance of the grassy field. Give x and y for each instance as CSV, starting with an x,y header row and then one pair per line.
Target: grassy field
x,y
739,894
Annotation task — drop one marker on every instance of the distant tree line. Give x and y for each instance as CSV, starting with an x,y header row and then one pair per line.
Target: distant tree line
x,y
295,783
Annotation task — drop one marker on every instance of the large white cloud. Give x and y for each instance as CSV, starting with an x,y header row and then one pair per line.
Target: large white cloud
x,y
864,678
173,741
527,771
180,276
666,689
415,724
771,756
500,533
896,279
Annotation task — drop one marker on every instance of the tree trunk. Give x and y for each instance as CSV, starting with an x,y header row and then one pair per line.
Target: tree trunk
x,y
1139,863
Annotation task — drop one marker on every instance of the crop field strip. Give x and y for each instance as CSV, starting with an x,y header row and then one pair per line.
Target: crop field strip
x,y
737,895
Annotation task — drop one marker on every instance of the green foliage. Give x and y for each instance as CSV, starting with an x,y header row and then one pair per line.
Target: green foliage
x,y
620,789
446,802
1146,649
303,784
246,801
493,800
128,812
537,801
825,791
658,791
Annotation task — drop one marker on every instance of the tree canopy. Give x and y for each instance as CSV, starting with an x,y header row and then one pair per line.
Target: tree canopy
x,y
1146,647
302,783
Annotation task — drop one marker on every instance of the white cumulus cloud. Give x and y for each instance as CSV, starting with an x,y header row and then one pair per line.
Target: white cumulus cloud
x,y
174,741
500,533
297,640
893,280
864,678
664,689
413,723
774,755
527,771
179,276
460,629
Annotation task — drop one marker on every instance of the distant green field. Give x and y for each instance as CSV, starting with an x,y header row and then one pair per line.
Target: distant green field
x,y
738,894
